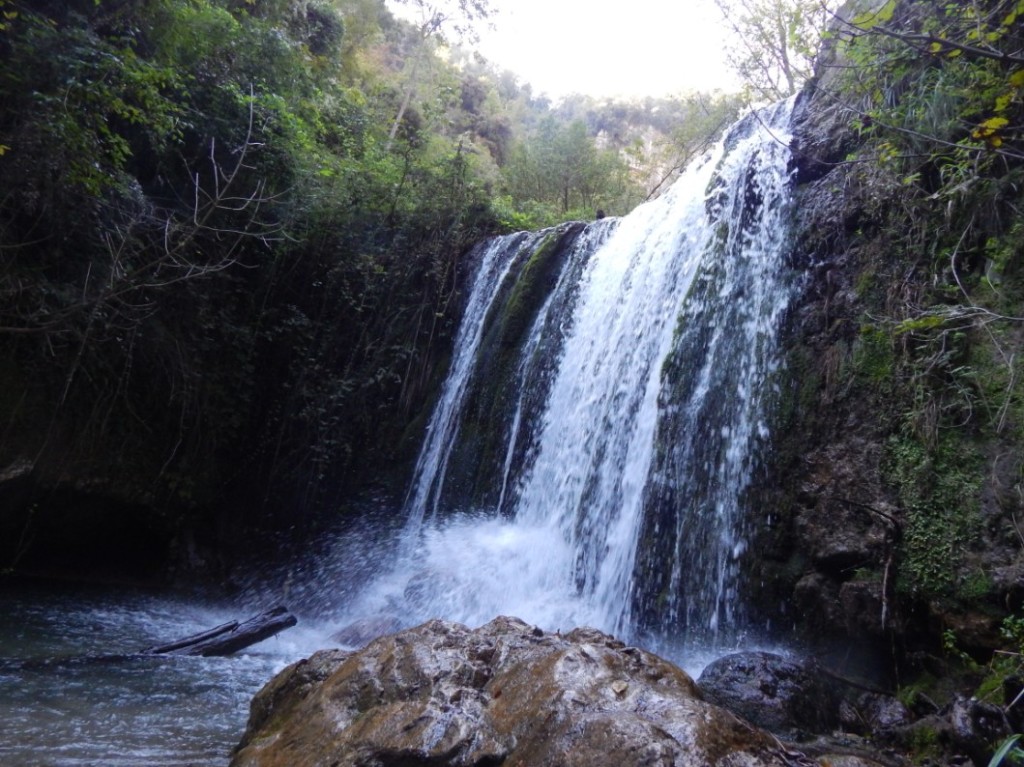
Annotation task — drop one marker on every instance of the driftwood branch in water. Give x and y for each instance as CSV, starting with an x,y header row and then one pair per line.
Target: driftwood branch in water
x,y
229,637
225,639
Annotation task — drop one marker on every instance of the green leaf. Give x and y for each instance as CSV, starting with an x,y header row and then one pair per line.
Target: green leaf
x,y
994,123
1003,750
870,19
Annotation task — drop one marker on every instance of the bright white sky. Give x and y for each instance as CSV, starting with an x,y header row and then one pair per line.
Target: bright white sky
x,y
604,48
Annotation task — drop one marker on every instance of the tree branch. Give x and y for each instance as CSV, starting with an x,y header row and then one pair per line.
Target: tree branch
x,y
915,39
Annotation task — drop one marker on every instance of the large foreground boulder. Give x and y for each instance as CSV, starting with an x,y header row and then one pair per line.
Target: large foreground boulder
x,y
504,694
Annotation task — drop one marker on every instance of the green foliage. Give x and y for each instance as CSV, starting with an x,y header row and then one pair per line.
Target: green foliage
x,y
951,650
873,356
561,168
519,219
934,93
939,492
867,20
1013,632
940,82
80,103
458,17
211,268
656,137
1008,752
975,588
1001,684
925,744
908,694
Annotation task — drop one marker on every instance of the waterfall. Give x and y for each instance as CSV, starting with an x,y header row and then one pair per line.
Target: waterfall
x,y
591,450
496,261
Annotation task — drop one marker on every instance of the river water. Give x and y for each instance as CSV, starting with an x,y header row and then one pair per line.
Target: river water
x,y
151,712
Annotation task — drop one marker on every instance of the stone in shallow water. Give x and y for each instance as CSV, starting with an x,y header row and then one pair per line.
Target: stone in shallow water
x,y
503,694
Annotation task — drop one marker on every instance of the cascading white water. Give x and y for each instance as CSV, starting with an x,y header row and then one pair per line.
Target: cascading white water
x,y
718,384
664,325
443,426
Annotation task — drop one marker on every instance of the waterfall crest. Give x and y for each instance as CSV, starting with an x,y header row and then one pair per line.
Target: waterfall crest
x,y
588,460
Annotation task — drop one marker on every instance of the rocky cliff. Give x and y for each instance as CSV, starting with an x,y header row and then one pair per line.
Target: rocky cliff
x,y
891,499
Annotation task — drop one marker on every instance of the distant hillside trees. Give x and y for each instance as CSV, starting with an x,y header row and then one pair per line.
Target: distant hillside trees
x,y
560,168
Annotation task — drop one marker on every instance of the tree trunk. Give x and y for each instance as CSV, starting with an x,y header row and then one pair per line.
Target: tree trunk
x,y
230,637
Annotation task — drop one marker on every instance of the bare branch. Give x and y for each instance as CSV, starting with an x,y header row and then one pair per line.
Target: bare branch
x,y
166,258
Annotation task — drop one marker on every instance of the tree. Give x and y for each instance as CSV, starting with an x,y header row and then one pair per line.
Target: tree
x,y
776,43
455,17
561,168
703,120
435,19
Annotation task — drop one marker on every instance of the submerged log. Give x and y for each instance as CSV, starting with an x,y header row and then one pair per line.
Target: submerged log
x,y
229,637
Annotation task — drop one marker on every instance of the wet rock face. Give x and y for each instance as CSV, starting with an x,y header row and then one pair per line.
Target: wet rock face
x,y
835,519
772,692
503,694
977,728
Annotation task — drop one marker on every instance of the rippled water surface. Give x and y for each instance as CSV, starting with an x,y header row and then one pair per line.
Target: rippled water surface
x,y
59,708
